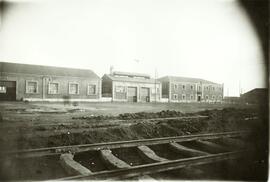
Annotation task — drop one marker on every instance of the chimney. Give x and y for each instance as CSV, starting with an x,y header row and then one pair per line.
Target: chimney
x,y
111,70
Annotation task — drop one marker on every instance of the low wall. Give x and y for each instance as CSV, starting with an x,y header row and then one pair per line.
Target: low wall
x,y
60,100
164,100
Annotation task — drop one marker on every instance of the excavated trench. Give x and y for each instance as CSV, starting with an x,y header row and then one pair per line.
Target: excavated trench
x,y
91,130
139,128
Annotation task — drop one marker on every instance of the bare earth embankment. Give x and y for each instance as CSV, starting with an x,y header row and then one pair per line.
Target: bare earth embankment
x,y
36,125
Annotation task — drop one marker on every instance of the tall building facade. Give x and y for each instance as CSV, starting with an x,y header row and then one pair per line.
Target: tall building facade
x,y
183,89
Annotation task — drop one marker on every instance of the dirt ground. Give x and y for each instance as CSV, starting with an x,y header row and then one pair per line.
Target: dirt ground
x,y
35,125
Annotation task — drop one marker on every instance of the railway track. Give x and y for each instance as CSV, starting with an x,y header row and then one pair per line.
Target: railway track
x,y
126,173
129,159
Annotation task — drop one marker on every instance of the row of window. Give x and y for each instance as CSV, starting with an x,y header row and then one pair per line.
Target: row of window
x,y
53,88
122,89
213,97
212,88
175,96
183,87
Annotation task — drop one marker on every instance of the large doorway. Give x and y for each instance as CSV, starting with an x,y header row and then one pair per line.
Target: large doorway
x,y
7,90
132,94
145,94
199,98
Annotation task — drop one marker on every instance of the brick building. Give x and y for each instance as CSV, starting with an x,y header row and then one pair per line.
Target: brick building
x,y
231,100
255,96
132,87
46,83
183,89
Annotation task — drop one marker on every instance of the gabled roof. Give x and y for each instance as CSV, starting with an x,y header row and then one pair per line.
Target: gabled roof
x,y
130,79
46,70
257,91
185,79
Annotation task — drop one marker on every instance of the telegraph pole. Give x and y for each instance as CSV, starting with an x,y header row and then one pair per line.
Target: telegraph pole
x,y
155,85
239,88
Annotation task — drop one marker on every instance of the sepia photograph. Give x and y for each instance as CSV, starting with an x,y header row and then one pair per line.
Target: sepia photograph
x,y
134,90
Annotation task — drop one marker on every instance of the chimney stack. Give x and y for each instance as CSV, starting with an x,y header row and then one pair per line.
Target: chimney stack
x,y
111,70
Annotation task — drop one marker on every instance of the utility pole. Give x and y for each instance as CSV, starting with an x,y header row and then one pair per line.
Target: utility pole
x,y
111,69
239,88
155,85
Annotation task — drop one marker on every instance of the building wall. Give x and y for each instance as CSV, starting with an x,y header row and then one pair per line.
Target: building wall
x,y
43,82
120,90
165,89
182,92
256,96
189,92
106,87
214,92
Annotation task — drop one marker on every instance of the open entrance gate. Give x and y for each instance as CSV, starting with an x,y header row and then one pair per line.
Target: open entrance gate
x,y
145,94
199,98
132,94
7,90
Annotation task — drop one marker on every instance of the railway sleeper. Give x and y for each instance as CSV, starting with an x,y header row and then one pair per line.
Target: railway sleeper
x,y
146,178
235,143
210,146
185,150
71,166
149,155
111,161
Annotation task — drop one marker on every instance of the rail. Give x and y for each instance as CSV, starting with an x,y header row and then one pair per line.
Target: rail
x,y
158,167
119,144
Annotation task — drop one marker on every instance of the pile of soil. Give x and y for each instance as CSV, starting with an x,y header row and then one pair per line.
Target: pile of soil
x,y
147,115
219,121
137,115
94,118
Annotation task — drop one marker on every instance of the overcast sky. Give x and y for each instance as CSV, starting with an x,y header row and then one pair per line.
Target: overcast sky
x,y
209,39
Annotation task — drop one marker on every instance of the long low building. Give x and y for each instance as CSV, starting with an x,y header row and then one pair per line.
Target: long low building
x,y
184,89
255,96
131,87
46,83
